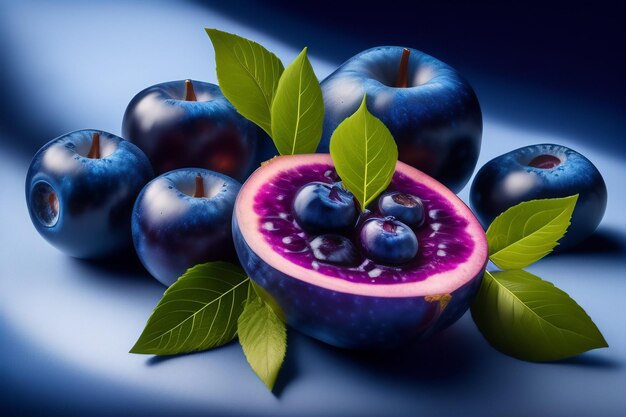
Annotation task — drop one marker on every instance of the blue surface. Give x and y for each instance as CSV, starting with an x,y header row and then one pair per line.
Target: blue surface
x,y
66,325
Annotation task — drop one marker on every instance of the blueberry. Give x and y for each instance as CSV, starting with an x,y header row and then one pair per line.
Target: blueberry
x,y
80,190
541,171
334,249
183,218
407,208
388,241
324,207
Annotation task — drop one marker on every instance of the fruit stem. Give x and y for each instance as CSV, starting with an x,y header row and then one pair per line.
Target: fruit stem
x,y
402,80
190,94
199,193
94,151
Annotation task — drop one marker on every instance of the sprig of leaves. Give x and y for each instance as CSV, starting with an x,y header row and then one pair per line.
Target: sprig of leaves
x,y
286,103
364,154
517,312
206,308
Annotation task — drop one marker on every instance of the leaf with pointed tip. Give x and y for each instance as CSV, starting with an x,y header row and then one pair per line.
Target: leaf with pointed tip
x,y
528,318
248,75
263,338
364,154
528,231
297,109
198,312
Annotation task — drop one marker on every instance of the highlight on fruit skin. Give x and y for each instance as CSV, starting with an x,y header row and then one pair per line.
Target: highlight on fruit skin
x,y
350,300
80,189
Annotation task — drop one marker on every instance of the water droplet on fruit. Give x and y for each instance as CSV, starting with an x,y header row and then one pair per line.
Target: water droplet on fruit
x,y
287,240
268,226
441,253
375,273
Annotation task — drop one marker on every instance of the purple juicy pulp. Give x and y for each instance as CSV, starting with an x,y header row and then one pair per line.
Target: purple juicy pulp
x,y
364,305
444,243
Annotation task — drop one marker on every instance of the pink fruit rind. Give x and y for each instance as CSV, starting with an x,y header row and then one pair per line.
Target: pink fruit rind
x,y
355,313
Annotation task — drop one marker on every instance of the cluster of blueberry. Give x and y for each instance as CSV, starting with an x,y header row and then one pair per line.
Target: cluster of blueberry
x,y
385,234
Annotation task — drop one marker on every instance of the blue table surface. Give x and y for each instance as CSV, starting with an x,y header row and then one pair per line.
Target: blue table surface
x,y
66,325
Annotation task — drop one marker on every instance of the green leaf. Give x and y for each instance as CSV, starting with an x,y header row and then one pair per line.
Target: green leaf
x,y
198,312
248,75
528,318
263,338
297,109
365,155
528,231
257,291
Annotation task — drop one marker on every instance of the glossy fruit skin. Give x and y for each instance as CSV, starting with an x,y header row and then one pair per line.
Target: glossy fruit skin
x,y
175,133
436,122
345,319
388,241
321,207
173,231
404,207
508,180
95,196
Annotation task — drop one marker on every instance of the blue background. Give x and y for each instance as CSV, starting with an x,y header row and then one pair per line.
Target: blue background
x,y
543,73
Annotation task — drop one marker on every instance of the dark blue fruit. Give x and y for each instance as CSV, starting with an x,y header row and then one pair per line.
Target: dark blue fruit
x,y
429,108
388,241
324,207
334,249
541,171
182,218
406,208
181,124
80,191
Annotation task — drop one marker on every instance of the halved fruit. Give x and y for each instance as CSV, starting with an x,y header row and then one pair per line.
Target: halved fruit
x,y
357,303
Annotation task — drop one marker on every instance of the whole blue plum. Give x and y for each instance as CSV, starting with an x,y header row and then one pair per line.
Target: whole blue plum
x,y
80,190
183,218
541,171
431,111
187,123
